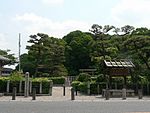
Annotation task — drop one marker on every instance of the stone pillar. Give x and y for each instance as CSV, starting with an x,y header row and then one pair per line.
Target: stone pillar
x,y
123,93
40,87
107,94
34,94
98,89
140,94
88,88
50,88
64,90
14,93
30,90
20,86
26,92
8,84
72,94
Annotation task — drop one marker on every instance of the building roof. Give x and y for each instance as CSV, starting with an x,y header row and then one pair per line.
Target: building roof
x,y
2,58
119,63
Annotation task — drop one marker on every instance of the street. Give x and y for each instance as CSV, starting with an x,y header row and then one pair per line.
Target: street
x,y
74,106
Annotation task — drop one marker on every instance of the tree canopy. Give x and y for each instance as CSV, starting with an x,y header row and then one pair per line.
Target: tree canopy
x,y
77,50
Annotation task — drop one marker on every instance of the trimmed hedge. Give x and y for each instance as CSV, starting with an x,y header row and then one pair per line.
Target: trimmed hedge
x,y
58,80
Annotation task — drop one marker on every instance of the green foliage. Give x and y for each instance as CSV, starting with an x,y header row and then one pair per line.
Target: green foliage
x,y
75,84
82,87
51,57
77,51
46,54
58,80
83,77
93,87
43,79
4,78
100,78
3,83
16,76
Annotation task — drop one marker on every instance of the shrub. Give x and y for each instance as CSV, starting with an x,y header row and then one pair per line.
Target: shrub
x,y
83,77
101,78
3,83
83,87
93,87
41,79
57,80
75,84
45,84
16,76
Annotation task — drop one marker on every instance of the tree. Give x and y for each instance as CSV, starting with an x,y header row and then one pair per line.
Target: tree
x,y
27,64
103,49
47,54
127,29
139,48
77,51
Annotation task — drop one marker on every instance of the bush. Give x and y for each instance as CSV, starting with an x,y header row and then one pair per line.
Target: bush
x,y
3,83
83,87
41,79
93,87
58,80
75,84
16,76
83,77
101,78
45,84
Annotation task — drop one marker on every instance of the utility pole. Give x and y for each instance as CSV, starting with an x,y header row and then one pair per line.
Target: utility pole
x,y
19,51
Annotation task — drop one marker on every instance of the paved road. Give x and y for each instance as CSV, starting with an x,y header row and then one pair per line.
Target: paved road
x,y
74,107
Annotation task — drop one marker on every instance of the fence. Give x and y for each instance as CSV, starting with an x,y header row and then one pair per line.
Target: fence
x,y
41,87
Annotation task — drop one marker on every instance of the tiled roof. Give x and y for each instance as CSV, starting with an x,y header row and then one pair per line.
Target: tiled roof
x,y
119,63
4,58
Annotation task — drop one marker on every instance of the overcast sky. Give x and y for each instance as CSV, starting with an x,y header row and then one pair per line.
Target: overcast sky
x,y
58,17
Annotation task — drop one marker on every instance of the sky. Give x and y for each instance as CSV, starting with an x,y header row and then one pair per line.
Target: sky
x,y
59,17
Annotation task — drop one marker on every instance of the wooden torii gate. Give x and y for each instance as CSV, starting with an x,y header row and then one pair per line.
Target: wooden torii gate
x,y
118,68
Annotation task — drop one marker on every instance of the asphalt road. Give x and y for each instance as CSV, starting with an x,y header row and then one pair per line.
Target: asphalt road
x,y
74,107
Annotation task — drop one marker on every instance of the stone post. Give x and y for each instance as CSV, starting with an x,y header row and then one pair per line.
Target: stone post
x,y
98,89
88,88
14,93
20,86
8,84
34,94
107,94
72,94
40,87
64,90
50,88
123,93
26,92
140,94
30,90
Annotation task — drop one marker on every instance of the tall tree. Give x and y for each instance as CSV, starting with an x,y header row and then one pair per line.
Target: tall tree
x,y
77,51
139,47
47,53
